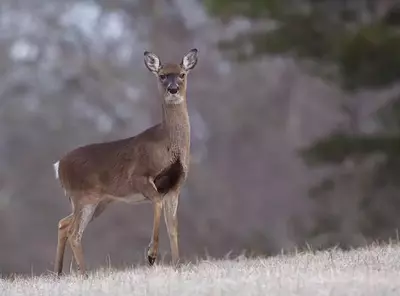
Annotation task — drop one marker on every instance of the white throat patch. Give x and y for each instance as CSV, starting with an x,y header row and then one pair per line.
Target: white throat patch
x,y
174,99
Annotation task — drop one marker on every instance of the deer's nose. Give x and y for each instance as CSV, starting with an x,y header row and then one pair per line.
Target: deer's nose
x,y
173,89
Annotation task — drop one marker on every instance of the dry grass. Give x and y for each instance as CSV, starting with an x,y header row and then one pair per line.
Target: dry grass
x,y
370,271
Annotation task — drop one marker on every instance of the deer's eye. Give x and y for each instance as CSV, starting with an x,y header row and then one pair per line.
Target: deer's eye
x,y
162,76
182,75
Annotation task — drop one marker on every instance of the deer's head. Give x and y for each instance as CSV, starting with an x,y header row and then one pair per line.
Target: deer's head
x,y
172,78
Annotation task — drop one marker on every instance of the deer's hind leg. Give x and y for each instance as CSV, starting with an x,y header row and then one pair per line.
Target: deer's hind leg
x,y
63,227
82,216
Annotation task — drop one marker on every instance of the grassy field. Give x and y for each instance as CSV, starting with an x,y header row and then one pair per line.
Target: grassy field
x,y
370,271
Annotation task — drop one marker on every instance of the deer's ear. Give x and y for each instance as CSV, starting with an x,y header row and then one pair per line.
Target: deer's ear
x,y
152,62
189,61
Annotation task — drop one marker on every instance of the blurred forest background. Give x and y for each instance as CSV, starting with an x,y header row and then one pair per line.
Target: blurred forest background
x,y
295,113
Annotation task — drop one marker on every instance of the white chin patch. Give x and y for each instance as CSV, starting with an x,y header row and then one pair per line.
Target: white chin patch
x,y
174,99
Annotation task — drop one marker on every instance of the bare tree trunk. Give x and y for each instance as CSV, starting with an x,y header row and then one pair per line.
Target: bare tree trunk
x,y
359,174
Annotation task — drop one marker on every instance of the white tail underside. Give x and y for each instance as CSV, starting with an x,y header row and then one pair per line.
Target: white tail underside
x,y
55,166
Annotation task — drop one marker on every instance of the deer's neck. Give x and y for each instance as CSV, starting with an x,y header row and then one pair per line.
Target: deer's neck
x,y
176,124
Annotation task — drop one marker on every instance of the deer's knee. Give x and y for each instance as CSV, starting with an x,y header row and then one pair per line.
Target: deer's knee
x,y
173,233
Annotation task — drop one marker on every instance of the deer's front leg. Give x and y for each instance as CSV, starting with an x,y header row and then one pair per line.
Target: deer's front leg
x,y
147,187
171,221
153,246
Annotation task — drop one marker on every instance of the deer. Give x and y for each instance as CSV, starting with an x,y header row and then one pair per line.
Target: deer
x,y
151,167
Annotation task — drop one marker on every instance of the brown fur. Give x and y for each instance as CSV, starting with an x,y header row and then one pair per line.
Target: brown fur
x,y
154,164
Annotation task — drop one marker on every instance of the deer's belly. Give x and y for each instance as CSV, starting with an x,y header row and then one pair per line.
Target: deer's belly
x,y
135,198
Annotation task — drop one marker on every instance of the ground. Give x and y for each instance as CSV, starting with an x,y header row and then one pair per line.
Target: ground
x,y
374,270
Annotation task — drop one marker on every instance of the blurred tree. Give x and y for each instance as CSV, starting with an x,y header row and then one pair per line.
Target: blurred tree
x,y
356,44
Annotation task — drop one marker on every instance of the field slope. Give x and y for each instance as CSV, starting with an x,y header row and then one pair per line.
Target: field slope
x,y
369,271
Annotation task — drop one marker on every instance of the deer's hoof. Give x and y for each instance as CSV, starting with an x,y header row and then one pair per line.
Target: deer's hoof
x,y
151,260
151,255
